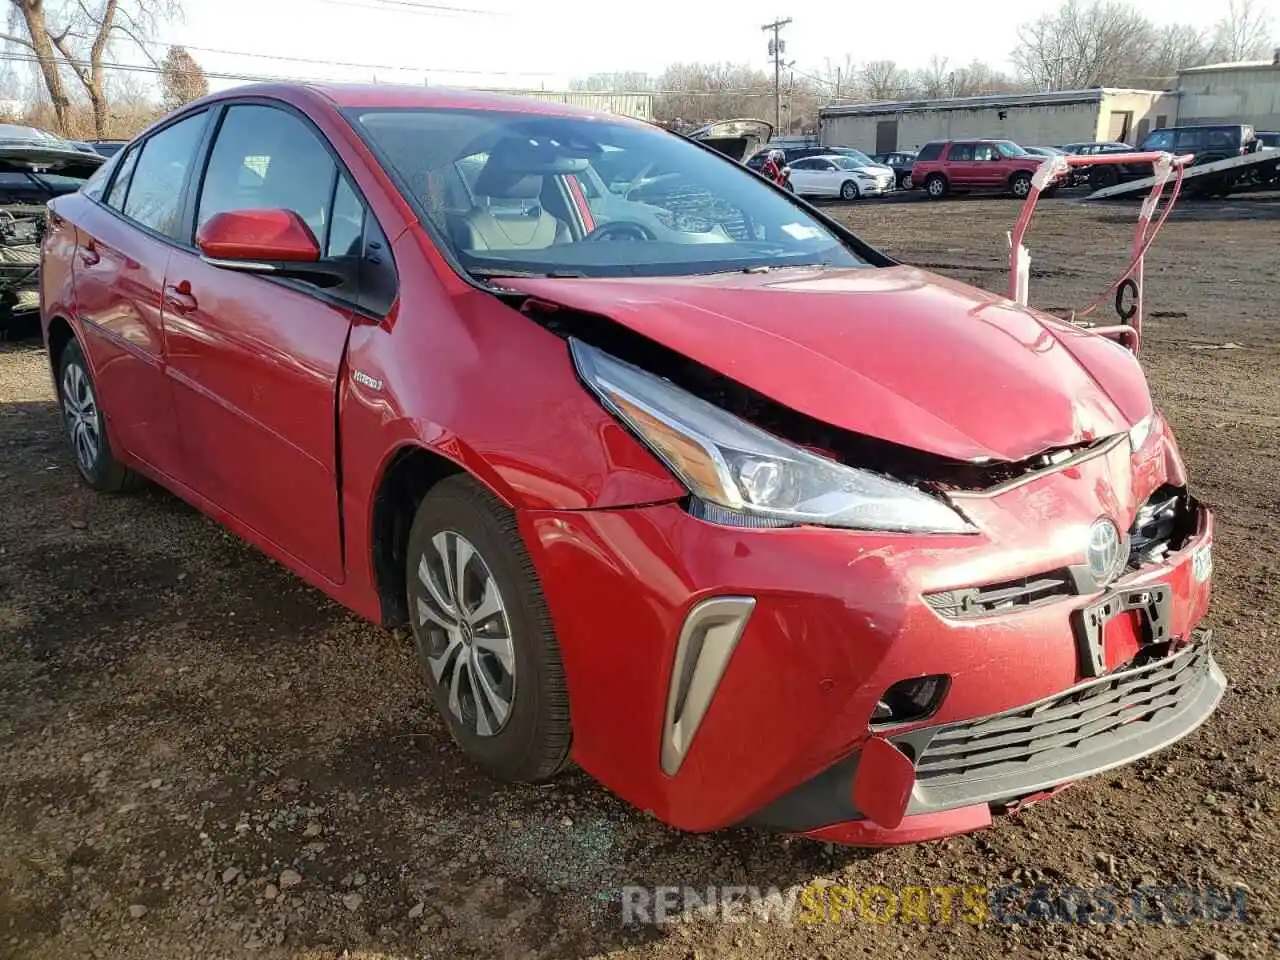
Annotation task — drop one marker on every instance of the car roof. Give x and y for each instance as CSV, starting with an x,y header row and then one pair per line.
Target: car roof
x,y
401,96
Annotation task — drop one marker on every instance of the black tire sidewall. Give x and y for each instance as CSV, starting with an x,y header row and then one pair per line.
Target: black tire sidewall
x,y
105,465
1017,179
519,751
929,186
847,194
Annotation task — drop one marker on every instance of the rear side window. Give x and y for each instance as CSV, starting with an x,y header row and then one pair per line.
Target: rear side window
x,y
120,186
1224,138
1189,139
264,159
930,151
154,197
961,151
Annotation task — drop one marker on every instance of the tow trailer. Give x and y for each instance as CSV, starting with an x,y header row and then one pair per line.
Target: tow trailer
x,y
1166,166
1217,177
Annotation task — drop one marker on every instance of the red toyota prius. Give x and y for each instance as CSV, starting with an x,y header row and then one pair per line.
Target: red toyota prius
x,y
671,475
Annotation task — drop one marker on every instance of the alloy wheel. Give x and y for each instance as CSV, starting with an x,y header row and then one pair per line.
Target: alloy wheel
x,y
464,623
80,410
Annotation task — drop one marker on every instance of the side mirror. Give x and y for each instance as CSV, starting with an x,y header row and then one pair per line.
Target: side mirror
x,y
273,242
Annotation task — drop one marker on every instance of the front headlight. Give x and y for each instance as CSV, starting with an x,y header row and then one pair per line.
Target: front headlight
x,y
726,461
1140,431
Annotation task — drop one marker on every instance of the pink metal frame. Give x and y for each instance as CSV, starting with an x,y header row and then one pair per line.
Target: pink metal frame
x,y
1163,166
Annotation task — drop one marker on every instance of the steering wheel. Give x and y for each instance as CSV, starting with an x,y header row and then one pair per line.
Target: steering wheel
x,y
620,230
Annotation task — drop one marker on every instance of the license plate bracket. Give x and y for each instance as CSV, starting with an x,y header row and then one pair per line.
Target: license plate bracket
x,y
1089,623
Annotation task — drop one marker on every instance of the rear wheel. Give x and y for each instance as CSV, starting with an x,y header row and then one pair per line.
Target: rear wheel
x,y
1101,177
849,190
936,186
1020,184
484,635
87,425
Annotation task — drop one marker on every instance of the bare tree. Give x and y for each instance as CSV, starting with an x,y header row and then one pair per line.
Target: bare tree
x,y
181,79
1244,33
935,79
76,36
710,91
628,81
883,80
1082,45
979,78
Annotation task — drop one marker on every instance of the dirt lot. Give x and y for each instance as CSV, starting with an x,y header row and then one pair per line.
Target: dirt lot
x,y
181,720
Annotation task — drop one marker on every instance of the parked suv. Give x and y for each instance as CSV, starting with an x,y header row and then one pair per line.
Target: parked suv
x,y
944,166
1206,143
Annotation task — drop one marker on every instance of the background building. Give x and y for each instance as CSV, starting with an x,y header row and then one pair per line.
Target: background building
x,y
636,105
1246,92
1032,118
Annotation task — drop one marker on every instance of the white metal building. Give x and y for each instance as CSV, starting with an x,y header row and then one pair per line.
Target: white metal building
x,y
1043,119
1247,92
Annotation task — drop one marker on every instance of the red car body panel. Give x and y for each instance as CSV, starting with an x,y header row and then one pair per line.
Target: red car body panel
x,y
241,395
839,618
844,347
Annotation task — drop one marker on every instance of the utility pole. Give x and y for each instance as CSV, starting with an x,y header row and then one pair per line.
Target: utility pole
x,y
777,46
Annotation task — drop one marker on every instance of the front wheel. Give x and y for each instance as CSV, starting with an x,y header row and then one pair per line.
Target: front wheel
x,y
484,635
87,425
849,190
1020,184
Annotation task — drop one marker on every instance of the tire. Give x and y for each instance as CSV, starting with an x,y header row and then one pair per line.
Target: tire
x,y
849,190
86,424
1102,177
519,730
904,181
936,186
1020,185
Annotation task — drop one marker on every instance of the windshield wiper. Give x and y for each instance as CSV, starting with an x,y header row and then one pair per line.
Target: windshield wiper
x,y
497,273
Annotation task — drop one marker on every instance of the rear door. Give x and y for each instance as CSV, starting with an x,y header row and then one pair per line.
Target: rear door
x,y
256,361
804,177
124,241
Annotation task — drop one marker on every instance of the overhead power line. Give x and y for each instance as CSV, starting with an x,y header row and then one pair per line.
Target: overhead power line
x,y
17,57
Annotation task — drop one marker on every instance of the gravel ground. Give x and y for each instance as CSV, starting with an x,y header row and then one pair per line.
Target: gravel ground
x,y
202,757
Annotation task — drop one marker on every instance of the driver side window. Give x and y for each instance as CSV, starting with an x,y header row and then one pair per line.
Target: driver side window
x,y
266,158
985,151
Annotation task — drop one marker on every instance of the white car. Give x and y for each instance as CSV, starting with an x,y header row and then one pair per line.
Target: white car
x,y
841,175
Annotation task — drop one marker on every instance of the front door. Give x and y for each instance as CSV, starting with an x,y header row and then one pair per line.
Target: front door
x,y
255,361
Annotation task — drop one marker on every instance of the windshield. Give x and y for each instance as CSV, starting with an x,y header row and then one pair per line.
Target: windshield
x,y
859,158
1010,149
523,193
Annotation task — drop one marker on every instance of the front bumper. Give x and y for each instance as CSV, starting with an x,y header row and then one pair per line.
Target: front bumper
x,y
876,188
836,618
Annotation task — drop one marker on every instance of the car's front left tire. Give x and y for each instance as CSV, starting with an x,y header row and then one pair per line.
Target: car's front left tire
x,y
86,425
484,635
849,190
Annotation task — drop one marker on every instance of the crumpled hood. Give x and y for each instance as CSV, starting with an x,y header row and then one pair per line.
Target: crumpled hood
x,y
895,353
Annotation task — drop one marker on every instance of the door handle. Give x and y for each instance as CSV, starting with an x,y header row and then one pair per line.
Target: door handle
x,y
89,254
179,298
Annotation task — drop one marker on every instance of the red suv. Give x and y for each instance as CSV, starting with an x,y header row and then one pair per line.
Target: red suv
x,y
668,473
962,166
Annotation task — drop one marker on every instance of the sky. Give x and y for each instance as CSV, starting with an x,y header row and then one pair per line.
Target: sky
x,y
544,43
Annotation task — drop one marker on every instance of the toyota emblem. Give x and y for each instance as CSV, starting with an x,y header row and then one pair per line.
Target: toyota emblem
x,y
1105,551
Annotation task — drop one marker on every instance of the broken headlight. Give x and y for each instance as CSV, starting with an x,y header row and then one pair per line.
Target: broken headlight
x,y
752,474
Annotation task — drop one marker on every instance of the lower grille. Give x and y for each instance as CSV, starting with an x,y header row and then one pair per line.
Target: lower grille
x,y
1087,729
998,597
